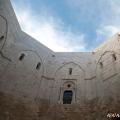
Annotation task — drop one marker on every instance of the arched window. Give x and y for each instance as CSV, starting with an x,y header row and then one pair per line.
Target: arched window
x,y
67,97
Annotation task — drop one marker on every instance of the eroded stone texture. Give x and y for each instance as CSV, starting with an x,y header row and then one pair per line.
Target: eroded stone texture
x,y
32,86
14,108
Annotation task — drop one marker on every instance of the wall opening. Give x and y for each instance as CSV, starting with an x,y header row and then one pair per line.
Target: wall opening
x,y
70,71
114,57
68,85
67,97
2,37
101,64
21,56
38,66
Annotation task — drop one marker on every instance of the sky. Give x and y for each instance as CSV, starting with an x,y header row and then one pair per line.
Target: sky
x,y
69,25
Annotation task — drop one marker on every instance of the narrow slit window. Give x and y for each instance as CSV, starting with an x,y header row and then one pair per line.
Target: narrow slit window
x,y
38,66
101,64
70,71
21,56
114,57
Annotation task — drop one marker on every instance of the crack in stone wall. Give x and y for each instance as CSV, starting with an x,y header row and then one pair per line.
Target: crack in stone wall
x,y
4,57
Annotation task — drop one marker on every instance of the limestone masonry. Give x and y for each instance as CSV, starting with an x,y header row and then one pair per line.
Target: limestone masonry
x,y
39,84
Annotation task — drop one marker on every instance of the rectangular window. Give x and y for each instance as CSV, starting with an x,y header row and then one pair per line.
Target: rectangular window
x,y
67,97
70,71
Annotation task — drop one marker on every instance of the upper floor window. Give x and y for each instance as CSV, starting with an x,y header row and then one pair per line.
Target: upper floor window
x,y
70,71
114,57
21,56
101,64
38,66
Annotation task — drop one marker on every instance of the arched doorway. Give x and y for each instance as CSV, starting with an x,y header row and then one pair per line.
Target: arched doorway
x,y
67,97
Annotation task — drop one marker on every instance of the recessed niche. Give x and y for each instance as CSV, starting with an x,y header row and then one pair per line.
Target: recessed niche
x,y
114,57
101,64
1,37
53,55
38,66
70,71
21,56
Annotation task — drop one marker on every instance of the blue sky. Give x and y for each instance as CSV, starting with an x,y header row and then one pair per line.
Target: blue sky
x,y
69,25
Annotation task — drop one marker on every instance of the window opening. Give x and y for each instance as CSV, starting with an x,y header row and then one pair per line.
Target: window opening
x,y
101,64
114,57
2,37
67,97
70,71
68,85
38,66
21,56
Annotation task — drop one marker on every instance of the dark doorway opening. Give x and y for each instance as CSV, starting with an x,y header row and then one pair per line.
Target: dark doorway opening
x,y
67,97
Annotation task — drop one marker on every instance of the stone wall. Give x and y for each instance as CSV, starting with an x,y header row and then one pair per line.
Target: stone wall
x,y
33,78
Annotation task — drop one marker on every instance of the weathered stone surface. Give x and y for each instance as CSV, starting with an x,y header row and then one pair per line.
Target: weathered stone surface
x,y
29,92
14,108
